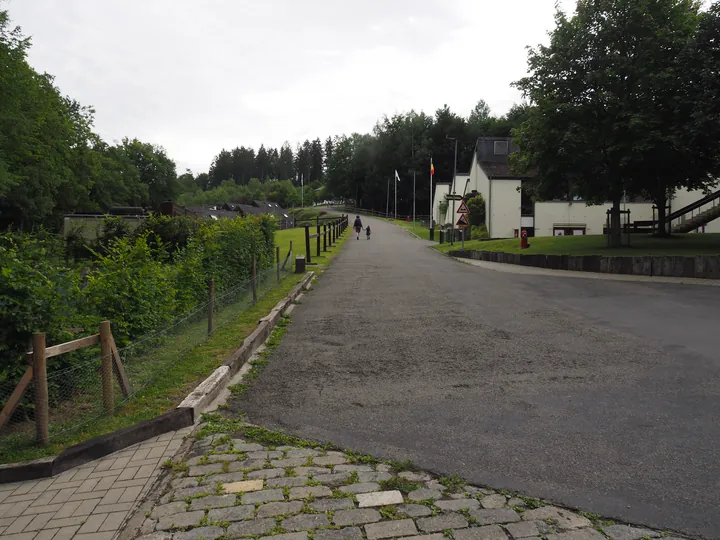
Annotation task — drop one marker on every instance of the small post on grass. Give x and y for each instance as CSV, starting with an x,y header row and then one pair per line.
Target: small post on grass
x,y
106,362
291,257
211,306
324,237
462,238
41,389
308,260
277,256
254,278
317,242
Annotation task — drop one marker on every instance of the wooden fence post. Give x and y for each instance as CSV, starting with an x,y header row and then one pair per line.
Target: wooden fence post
x,y
317,242
308,260
292,268
41,389
254,278
277,252
211,306
106,360
325,238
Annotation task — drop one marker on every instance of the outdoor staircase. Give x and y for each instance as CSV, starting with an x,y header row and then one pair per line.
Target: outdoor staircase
x,y
697,221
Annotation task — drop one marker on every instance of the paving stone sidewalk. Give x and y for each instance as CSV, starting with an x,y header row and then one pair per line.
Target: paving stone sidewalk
x,y
90,502
227,487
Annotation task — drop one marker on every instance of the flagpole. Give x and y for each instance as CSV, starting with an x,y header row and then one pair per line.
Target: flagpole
x,y
387,205
431,194
302,191
413,198
396,179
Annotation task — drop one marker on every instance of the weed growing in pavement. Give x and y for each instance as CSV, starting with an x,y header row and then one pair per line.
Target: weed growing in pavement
x,y
400,465
176,466
361,458
390,512
447,533
354,478
452,483
401,484
214,423
596,519
531,502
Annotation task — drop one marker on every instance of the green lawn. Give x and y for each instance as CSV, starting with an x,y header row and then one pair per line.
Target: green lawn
x,y
415,227
186,368
297,236
681,244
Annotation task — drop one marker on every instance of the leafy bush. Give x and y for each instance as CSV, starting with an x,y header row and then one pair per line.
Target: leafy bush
x,y
476,205
141,282
479,232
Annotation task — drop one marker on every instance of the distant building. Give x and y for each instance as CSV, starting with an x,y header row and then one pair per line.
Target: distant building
x,y
509,209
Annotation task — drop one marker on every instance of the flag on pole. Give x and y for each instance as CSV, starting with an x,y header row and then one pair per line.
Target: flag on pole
x,y
397,177
432,168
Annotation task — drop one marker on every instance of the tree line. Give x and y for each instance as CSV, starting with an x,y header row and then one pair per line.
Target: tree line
x,y
51,160
357,167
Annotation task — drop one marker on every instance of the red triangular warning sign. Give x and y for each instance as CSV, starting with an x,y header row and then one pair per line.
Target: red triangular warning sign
x,y
463,209
462,221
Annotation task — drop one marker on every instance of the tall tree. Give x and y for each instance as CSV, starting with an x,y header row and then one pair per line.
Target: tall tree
x,y
273,163
262,164
597,92
303,161
286,163
243,165
317,160
157,170
221,169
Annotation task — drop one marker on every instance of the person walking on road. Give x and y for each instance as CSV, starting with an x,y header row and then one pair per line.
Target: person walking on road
x,y
358,226
367,232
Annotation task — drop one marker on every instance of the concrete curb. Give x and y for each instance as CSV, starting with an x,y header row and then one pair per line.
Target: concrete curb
x,y
208,390
186,414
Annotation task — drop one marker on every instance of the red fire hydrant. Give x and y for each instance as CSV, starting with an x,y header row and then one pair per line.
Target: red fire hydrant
x,y
523,240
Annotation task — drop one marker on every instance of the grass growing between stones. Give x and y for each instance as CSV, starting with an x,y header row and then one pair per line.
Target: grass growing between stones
x,y
401,484
452,483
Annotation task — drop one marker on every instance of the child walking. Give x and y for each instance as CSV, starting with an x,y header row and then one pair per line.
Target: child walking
x,y
367,232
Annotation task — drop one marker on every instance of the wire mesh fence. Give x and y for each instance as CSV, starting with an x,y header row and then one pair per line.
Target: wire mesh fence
x,y
75,382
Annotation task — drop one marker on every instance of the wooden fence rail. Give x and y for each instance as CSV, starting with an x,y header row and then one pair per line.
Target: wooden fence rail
x,y
325,236
37,373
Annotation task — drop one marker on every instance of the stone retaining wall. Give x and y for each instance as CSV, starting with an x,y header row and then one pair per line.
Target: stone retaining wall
x,y
705,266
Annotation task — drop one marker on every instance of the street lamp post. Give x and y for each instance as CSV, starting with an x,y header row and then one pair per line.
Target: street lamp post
x,y
452,216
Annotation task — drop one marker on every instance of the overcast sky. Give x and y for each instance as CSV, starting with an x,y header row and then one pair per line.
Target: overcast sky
x,y
199,76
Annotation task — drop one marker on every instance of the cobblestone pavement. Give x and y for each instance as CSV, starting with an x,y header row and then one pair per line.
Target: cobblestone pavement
x,y
89,502
227,487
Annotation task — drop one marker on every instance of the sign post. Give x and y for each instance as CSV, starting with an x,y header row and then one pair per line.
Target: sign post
x,y
462,221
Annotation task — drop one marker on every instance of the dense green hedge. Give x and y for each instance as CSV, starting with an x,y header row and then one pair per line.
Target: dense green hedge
x,y
141,281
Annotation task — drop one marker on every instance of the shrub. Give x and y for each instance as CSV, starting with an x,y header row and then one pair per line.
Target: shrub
x,y
479,232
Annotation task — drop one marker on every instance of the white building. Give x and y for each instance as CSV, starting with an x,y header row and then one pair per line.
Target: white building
x,y
508,210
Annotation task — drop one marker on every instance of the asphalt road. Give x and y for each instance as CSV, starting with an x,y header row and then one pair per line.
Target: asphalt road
x,y
601,395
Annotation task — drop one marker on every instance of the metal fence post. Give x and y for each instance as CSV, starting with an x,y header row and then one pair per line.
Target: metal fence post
x,y
254,278
41,389
317,241
106,360
277,253
308,260
211,306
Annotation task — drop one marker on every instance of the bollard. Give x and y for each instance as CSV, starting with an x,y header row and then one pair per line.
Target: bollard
x,y
300,264
432,234
41,389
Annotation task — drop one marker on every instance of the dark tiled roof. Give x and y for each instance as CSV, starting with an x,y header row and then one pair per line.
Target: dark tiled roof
x,y
497,166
